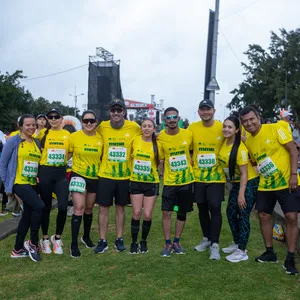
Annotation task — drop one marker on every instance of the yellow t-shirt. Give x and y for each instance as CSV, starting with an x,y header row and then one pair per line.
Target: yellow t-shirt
x,y
207,142
175,151
241,160
144,166
286,125
41,133
273,160
14,133
87,151
117,143
55,151
29,156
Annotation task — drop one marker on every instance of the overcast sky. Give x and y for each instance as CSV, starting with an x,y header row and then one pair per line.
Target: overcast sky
x,y
161,44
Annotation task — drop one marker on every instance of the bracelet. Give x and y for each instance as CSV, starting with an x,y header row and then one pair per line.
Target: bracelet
x,y
294,173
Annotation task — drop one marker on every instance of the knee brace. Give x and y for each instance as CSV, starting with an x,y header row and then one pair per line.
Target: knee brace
x,y
181,216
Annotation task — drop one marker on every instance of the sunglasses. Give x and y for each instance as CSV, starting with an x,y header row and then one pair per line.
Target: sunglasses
x,y
174,117
118,110
56,117
87,121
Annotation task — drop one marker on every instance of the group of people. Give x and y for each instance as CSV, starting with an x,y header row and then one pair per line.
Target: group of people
x,y
118,158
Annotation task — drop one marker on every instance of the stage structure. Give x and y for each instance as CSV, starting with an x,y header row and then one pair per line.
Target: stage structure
x,y
104,82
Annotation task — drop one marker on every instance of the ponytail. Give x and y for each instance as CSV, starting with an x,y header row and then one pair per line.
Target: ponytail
x,y
43,140
155,149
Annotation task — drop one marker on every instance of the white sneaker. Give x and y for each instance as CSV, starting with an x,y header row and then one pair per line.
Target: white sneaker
x,y
204,244
57,245
237,256
231,248
45,246
215,252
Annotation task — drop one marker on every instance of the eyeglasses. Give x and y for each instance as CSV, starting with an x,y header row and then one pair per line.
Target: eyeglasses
x,y
87,121
117,109
53,117
171,117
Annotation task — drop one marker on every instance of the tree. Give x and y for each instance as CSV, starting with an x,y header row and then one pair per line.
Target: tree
x,y
271,76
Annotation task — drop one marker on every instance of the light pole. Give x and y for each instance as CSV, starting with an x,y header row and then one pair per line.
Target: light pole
x,y
75,100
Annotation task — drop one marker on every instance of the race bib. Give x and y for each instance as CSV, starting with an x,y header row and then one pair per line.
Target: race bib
x,y
117,154
266,167
30,168
206,160
178,163
77,184
142,167
56,156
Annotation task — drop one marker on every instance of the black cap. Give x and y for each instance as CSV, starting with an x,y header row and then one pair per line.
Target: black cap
x,y
53,110
116,102
41,116
207,103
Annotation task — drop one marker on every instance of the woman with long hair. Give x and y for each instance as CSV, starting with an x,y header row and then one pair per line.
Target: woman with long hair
x,y
53,178
86,150
18,171
233,157
144,183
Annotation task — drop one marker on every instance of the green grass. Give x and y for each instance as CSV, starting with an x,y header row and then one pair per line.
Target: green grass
x,y
122,276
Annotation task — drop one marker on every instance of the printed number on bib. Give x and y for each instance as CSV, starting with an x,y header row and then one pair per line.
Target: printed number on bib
x,y
207,160
178,163
56,156
77,184
30,168
117,154
142,167
267,167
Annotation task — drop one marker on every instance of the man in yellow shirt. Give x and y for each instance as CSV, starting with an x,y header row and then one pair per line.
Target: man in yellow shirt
x,y
114,174
209,176
174,151
271,147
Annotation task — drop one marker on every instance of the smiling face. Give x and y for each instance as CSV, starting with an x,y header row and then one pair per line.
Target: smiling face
x,y
171,119
147,128
89,123
116,114
229,129
55,120
206,113
251,122
28,128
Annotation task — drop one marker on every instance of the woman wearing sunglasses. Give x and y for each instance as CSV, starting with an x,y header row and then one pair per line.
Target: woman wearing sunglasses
x,y
18,170
233,158
144,183
53,178
86,150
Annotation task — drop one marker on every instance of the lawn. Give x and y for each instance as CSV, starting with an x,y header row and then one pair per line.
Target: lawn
x,y
122,276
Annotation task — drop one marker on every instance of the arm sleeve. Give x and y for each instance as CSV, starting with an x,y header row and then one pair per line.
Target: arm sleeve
x,y
5,158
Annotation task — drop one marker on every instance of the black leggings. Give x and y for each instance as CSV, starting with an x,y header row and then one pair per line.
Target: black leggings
x,y
4,197
54,180
32,214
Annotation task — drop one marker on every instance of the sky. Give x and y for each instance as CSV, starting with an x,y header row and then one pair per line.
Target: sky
x,y
161,45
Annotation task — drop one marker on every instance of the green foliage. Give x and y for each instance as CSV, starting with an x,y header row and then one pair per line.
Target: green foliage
x,y
15,101
270,75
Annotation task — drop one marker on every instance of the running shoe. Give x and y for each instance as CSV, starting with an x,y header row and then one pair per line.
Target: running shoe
x,y
237,256
45,246
134,248
204,244
119,245
231,248
214,252
267,257
57,245
19,254
3,213
87,242
74,252
177,248
101,247
167,251
143,247
33,250
17,213
290,267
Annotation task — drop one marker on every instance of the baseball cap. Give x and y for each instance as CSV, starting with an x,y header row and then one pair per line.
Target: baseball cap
x,y
41,116
285,113
53,110
206,102
116,102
